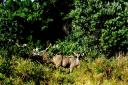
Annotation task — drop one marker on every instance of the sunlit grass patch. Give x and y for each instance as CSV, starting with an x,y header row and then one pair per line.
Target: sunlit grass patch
x,y
99,71
103,71
28,72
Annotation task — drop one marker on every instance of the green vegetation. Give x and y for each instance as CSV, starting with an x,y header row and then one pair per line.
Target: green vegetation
x,y
91,72
98,28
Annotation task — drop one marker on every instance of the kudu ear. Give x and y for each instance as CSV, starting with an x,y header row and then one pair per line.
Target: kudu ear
x,y
77,55
74,53
82,54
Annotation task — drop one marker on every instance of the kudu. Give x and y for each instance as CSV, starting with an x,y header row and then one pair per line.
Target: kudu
x,y
40,56
67,61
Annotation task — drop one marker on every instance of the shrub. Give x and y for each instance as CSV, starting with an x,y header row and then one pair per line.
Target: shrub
x,y
103,24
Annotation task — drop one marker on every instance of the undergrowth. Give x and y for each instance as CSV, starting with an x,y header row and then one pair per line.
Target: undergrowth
x,y
99,71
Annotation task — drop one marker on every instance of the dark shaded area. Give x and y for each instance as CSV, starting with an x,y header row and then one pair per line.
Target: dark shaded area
x,y
17,29
57,29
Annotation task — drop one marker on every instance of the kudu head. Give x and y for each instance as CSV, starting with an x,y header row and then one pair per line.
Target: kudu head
x,y
78,55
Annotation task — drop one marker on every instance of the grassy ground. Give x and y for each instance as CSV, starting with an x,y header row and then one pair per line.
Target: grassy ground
x,y
100,71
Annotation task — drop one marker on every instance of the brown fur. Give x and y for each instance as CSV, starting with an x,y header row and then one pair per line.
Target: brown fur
x,y
64,61
57,59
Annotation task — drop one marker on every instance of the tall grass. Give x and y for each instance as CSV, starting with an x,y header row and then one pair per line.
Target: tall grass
x,y
100,71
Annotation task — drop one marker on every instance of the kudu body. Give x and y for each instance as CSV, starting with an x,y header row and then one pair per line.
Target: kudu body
x,y
66,61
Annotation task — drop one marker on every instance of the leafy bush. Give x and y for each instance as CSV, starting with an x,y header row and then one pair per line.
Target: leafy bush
x,y
104,24
32,23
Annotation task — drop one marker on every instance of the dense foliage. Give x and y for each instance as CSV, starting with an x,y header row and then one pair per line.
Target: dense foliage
x,y
94,27
105,22
98,27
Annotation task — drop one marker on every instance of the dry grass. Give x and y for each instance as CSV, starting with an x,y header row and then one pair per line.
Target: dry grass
x,y
104,71
100,71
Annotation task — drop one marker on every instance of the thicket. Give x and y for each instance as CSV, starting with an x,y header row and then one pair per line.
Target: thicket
x,y
94,27
34,23
98,27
